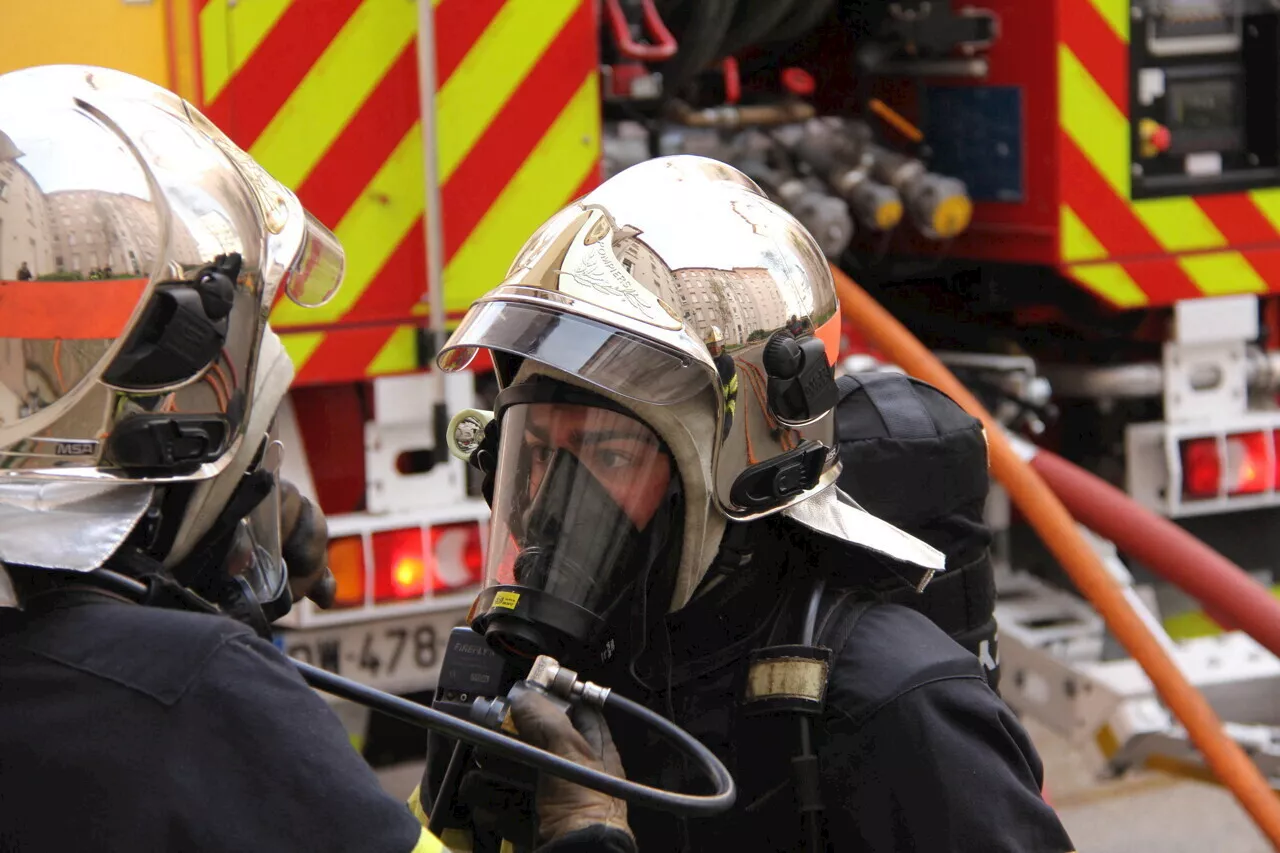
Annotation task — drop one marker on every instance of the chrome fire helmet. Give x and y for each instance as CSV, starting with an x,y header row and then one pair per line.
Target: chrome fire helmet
x,y
142,253
676,293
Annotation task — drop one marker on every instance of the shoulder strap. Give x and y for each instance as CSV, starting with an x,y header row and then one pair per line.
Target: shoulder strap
x,y
840,618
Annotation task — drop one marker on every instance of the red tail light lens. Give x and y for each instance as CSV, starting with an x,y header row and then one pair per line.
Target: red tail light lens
x,y
457,556
400,571
1250,470
346,561
1248,466
1201,468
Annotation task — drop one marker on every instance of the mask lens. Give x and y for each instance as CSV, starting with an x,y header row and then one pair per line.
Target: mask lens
x,y
577,488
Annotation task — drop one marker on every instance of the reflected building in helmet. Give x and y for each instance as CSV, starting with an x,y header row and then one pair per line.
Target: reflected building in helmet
x,y
23,225
644,264
739,301
92,229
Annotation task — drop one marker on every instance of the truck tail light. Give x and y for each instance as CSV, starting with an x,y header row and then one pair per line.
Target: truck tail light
x,y
1201,468
457,556
346,561
400,570
1248,466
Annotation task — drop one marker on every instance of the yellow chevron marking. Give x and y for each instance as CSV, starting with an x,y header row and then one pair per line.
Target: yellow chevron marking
x,y
1111,282
497,63
301,346
335,88
1268,203
1093,122
398,355
1222,273
1116,14
370,231
230,32
1178,224
556,167
1078,242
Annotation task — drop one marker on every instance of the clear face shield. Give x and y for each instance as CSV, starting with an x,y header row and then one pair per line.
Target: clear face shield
x,y
583,501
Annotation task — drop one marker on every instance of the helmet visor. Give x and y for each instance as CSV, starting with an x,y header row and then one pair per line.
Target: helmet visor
x,y
317,268
578,487
610,358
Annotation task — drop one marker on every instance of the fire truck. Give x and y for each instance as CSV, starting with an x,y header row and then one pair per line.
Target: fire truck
x,y
1074,203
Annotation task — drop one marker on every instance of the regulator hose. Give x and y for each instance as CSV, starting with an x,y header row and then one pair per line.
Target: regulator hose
x,y
1225,590
1058,530
688,805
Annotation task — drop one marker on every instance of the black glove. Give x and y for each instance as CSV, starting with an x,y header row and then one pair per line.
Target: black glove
x,y
305,536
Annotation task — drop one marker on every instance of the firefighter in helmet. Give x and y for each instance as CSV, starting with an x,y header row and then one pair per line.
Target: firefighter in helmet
x,y
136,435
682,540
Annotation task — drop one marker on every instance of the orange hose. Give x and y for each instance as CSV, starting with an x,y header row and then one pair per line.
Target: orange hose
x,y
1058,531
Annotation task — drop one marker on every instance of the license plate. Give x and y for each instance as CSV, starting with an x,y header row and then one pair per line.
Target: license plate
x,y
400,655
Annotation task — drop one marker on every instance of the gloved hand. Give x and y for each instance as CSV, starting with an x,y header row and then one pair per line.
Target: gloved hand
x,y
305,547
581,737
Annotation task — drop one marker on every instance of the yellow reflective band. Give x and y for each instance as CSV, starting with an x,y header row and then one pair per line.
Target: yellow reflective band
x,y
428,843
1078,242
457,840
230,32
1178,224
335,88
1268,204
415,806
301,345
1111,282
370,232
557,166
398,355
1222,273
1093,122
1116,14
495,66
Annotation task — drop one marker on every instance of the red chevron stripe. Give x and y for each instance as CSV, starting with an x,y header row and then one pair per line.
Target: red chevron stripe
x,y
488,167
1267,264
1109,218
365,143
344,355
1238,219
253,96
1162,280
1100,50
458,24
399,284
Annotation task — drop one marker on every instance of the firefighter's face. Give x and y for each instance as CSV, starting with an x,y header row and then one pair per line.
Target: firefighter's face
x,y
621,453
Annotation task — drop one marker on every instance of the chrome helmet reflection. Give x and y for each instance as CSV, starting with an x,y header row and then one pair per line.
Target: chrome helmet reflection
x,y
143,253
678,278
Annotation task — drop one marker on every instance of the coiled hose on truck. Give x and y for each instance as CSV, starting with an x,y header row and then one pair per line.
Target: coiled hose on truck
x,y
1057,529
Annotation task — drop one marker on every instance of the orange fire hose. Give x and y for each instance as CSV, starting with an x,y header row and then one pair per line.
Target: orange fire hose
x,y
1058,530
